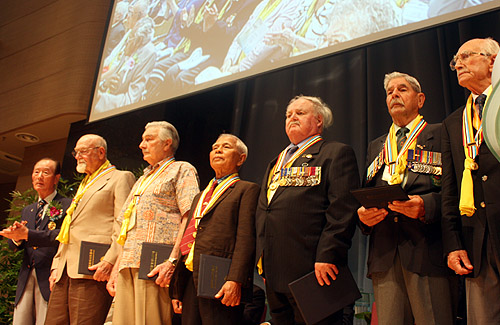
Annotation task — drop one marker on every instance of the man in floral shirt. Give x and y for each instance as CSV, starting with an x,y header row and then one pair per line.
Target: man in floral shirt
x,y
155,211
36,233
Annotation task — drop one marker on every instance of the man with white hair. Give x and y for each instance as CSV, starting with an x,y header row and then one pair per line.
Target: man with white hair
x,y
405,262
92,216
155,211
222,223
305,213
471,187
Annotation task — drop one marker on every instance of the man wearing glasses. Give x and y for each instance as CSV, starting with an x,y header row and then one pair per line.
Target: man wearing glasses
x,y
92,215
471,187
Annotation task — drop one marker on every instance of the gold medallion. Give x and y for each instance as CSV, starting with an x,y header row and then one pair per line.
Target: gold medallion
x,y
52,225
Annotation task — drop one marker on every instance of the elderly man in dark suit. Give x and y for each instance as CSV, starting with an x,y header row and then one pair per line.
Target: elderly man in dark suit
x,y
222,221
471,187
305,214
36,234
405,262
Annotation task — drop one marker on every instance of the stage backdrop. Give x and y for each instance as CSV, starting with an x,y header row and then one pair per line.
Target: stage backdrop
x,y
254,109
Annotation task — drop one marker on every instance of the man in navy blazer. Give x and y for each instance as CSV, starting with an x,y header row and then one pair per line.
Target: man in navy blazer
x,y
471,186
305,213
405,262
37,238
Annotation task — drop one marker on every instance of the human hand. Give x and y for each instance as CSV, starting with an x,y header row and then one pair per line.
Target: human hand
x,y
111,285
52,279
323,270
230,293
177,306
459,262
413,208
164,271
102,270
17,231
371,216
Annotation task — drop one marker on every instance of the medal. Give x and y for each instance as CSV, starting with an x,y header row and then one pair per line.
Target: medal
x,y
52,225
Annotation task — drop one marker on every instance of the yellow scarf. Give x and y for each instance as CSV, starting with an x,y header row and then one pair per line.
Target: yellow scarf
x,y
86,183
471,145
129,217
201,209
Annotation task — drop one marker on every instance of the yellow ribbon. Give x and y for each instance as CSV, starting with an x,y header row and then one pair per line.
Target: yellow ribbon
x,y
467,191
88,181
201,209
129,215
471,148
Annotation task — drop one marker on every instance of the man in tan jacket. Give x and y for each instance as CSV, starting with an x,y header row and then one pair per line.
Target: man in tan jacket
x,y
78,298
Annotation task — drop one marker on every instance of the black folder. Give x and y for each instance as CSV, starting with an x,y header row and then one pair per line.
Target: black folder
x,y
317,302
212,275
90,254
380,196
152,254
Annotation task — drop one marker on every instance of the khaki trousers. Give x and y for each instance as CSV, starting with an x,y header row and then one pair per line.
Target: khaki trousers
x,y
140,302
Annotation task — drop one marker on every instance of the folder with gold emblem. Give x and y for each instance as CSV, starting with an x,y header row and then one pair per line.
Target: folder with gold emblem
x,y
90,253
212,275
152,254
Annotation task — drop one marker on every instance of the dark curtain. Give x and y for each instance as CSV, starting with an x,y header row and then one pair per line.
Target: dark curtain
x,y
350,82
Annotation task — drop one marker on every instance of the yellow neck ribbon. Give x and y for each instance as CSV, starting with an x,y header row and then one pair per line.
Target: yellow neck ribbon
x,y
129,216
201,208
397,161
86,183
471,143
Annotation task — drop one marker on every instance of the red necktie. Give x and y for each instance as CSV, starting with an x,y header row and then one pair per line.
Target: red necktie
x,y
190,233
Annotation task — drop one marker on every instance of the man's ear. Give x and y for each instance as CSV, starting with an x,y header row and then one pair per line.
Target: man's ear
x,y
421,100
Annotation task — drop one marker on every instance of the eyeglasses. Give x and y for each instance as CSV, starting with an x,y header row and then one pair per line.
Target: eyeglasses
x,y
82,152
463,57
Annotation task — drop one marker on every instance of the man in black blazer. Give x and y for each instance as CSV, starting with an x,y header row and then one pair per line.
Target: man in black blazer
x,y
305,214
405,262
223,220
471,187
36,233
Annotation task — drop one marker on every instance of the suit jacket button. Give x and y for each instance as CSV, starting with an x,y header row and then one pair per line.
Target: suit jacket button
x,y
483,205
484,178
396,219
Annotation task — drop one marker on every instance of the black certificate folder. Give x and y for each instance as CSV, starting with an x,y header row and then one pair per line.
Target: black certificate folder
x,y
152,254
317,302
90,254
380,196
212,275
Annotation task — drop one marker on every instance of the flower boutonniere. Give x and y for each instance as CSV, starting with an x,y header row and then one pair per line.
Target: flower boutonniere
x,y
54,212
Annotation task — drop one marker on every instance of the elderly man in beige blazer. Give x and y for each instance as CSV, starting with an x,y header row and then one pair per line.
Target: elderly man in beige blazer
x,y
78,298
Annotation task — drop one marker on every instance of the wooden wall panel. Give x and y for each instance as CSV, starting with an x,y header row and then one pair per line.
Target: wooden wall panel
x,y
48,59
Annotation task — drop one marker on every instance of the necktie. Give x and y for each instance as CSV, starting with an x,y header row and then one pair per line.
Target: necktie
x,y
401,137
290,153
190,233
39,213
480,100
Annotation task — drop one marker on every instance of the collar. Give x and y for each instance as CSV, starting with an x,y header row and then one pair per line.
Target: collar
x,y
49,197
151,168
486,92
408,126
301,143
220,180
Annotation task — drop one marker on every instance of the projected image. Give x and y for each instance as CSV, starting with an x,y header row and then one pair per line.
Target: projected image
x,y
160,49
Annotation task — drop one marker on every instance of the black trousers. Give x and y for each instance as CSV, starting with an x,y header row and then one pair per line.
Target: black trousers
x,y
196,310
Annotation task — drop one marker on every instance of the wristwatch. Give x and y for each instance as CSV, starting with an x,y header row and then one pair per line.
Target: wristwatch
x,y
172,260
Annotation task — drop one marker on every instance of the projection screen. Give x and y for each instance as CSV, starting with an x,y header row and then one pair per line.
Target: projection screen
x,y
156,50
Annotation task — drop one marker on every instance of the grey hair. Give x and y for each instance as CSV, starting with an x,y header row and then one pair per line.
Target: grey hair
x,y
415,85
490,46
240,145
320,108
166,131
